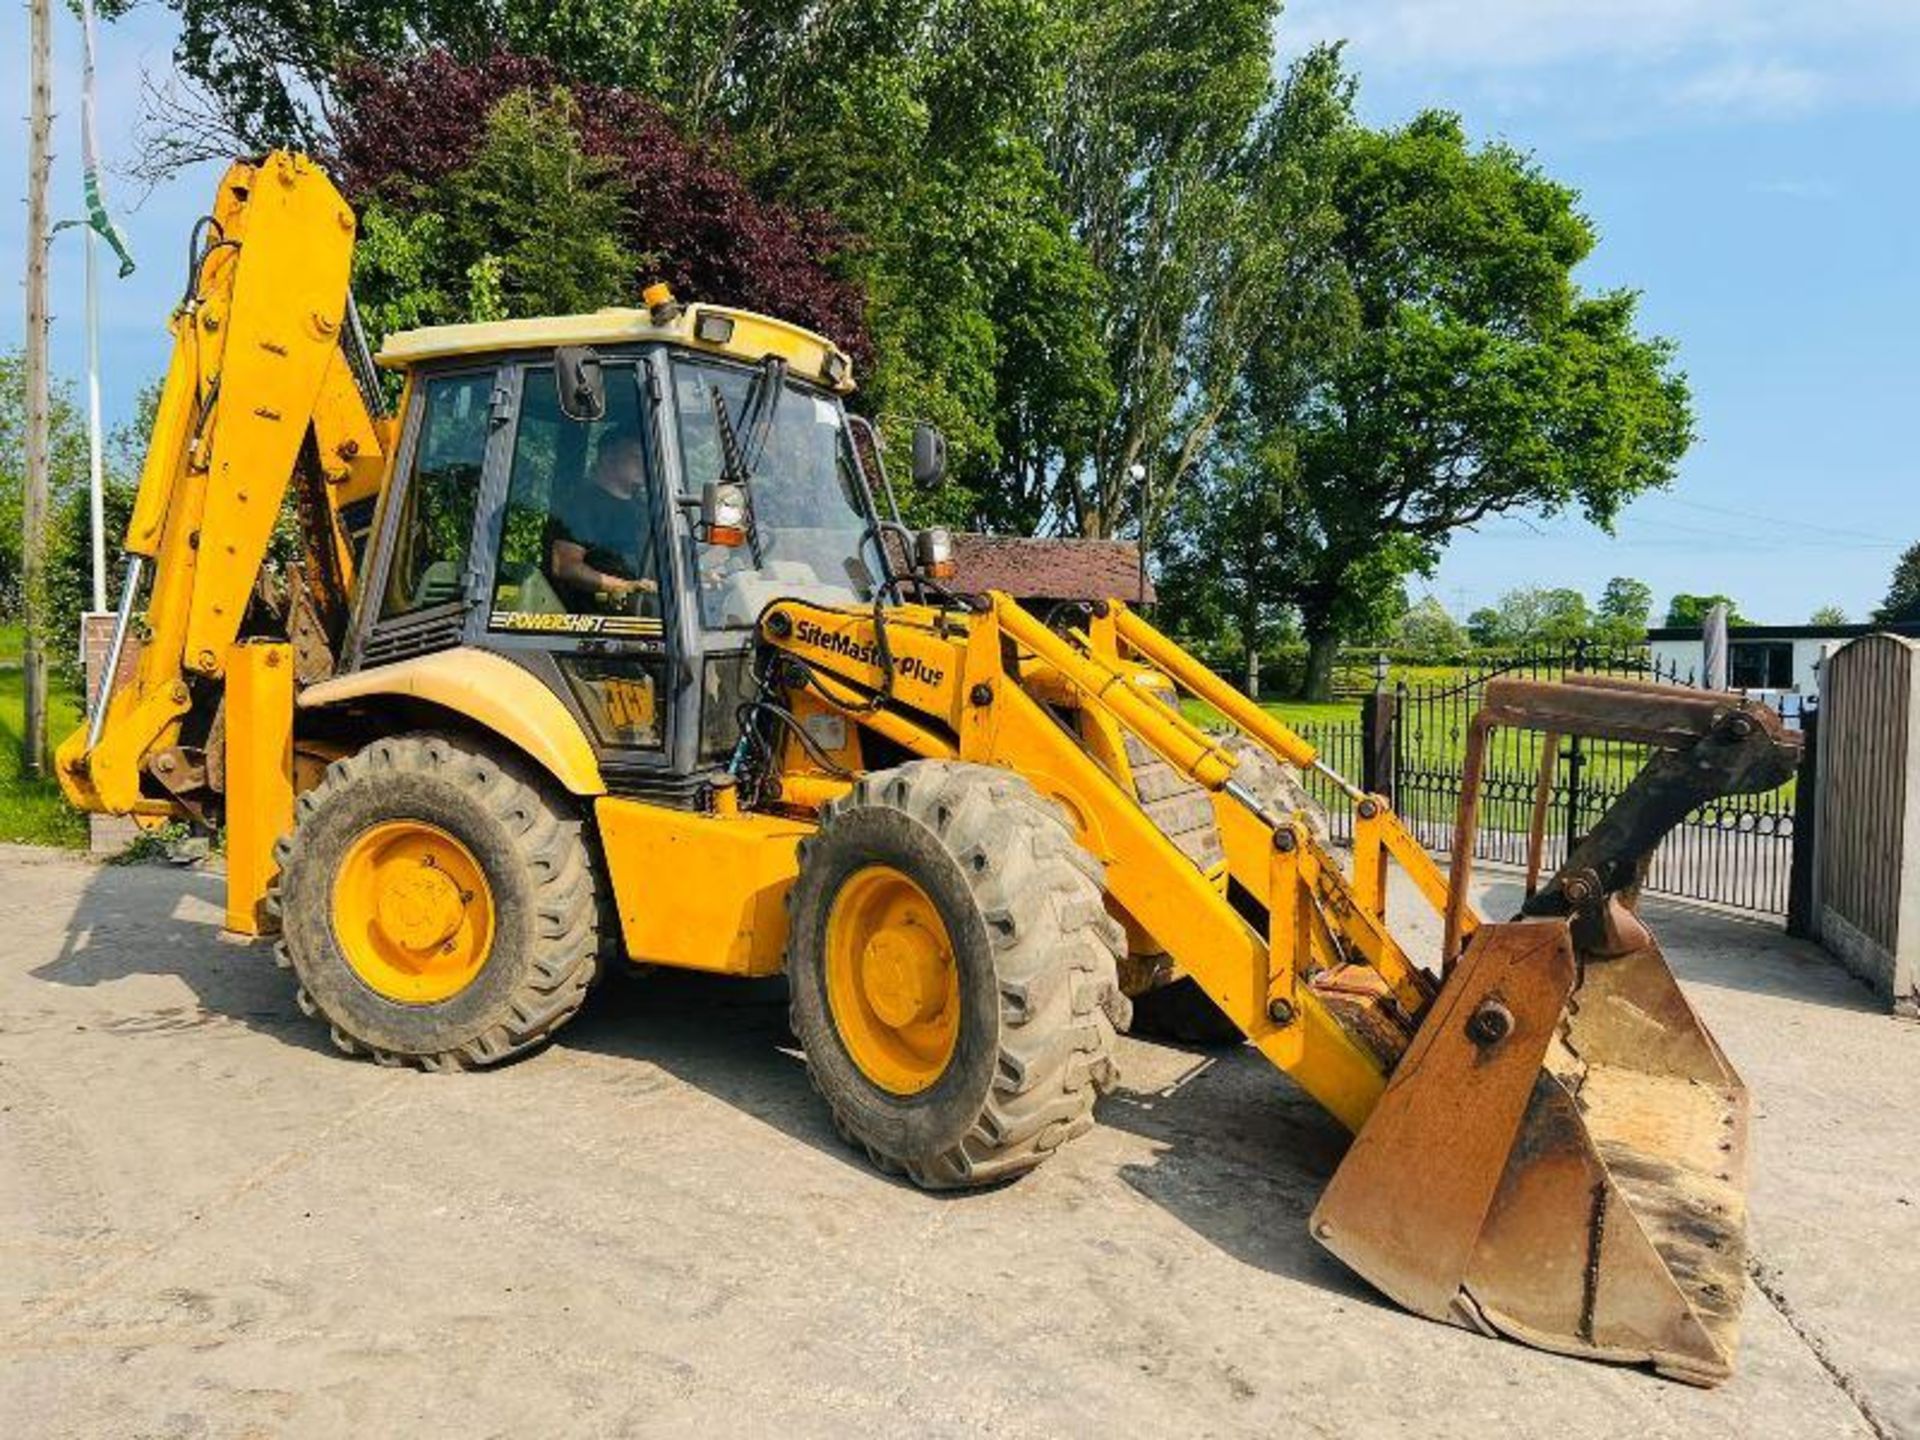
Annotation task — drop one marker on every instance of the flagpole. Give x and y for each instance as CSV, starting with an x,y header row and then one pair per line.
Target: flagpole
x,y
96,443
99,226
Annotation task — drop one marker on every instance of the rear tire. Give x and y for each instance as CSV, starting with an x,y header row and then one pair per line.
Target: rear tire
x,y
1180,1010
1278,785
1029,956
531,856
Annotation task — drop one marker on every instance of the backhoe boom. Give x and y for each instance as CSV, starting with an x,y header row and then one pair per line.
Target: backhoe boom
x,y
260,394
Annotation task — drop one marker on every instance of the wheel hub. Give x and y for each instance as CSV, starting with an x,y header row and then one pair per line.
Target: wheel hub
x,y
412,912
419,910
893,986
903,973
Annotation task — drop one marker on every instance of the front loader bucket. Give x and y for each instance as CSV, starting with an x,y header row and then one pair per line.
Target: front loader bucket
x,y
1560,1157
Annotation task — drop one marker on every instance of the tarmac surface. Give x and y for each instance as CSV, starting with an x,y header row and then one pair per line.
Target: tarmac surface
x,y
213,1225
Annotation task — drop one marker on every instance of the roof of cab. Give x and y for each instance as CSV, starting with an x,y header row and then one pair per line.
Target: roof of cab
x,y
751,338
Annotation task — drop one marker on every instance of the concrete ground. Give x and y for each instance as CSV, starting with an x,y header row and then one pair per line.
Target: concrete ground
x,y
212,1225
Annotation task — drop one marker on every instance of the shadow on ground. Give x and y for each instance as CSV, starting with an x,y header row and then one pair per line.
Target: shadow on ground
x,y
164,920
1239,1154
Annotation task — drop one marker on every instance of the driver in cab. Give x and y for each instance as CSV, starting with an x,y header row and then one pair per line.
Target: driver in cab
x,y
601,553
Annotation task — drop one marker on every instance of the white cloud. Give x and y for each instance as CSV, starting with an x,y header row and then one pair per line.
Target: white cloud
x,y
1614,63
1762,87
1506,34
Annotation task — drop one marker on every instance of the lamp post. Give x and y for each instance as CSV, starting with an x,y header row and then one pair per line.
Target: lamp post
x,y
1138,473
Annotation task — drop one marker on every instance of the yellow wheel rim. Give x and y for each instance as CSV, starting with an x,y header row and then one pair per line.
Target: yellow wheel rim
x,y
412,912
893,988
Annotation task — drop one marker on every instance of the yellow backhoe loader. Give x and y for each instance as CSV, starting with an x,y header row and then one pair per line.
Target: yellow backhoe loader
x,y
608,645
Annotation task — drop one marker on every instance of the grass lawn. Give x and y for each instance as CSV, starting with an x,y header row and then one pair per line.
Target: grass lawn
x,y
1432,753
1294,713
33,812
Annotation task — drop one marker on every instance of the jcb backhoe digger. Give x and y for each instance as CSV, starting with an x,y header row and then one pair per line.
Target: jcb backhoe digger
x,y
608,644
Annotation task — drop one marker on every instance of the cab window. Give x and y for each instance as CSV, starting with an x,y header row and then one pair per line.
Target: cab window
x,y
811,537
577,538
435,527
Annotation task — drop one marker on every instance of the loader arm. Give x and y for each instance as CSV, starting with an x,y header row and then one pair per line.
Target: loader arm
x,y
264,390
1549,1144
953,694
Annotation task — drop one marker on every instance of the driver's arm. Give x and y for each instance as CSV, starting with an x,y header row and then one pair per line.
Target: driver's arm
x,y
570,565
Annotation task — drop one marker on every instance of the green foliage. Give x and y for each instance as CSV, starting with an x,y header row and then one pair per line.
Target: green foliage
x,y
1431,363
1533,616
70,570
1827,615
537,215
1623,611
273,67
1155,142
1903,590
397,269
1427,630
1691,610
33,812
529,226
921,127
1094,237
67,471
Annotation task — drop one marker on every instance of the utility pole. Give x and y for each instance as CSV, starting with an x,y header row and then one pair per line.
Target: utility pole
x,y
33,509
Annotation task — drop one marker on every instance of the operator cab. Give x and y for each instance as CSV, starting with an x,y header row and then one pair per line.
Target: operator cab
x,y
611,500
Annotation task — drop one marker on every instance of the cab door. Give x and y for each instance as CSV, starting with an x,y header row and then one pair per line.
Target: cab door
x,y
424,576
576,584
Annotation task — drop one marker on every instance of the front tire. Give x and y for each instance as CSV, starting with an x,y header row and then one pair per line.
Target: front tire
x,y
952,967
438,904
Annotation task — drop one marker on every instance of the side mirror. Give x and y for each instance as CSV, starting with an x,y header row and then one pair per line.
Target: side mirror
x,y
579,383
929,454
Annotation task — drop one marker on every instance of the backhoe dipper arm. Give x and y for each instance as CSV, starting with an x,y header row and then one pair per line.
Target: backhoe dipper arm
x,y
257,369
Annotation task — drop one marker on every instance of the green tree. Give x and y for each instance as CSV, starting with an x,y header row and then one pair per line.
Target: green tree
x,y
528,226
1232,529
1533,615
67,472
268,72
1623,611
1160,173
1827,615
1429,632
1686,610
919,125
1903,590
1459,372
1216,581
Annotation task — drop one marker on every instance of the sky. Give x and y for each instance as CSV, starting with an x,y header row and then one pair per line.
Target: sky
x,y
1750,166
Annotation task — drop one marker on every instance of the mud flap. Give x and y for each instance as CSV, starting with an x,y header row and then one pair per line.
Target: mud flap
x,y
1560,1158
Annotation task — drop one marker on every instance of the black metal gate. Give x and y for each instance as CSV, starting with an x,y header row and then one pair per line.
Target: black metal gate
x,y
1737,852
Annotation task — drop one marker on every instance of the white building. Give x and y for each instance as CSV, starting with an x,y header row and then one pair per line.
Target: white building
x,y
1776,659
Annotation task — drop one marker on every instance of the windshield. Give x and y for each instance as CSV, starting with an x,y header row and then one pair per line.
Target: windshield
x,y
807,508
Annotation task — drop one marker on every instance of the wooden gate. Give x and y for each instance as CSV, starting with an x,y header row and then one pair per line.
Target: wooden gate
x,y
1866,900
